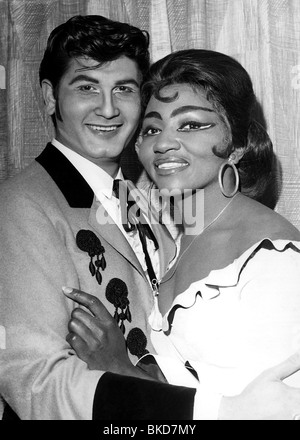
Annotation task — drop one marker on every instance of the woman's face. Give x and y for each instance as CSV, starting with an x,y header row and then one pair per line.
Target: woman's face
x,y
177,139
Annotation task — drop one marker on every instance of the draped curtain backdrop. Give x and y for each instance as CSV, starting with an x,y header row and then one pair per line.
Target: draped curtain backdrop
x,y
264,35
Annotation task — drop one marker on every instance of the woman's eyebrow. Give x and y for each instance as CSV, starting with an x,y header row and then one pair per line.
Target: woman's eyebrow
x,y
178,111
188,108
153,115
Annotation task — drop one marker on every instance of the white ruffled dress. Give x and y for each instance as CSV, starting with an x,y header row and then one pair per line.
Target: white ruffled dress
x,y
234,323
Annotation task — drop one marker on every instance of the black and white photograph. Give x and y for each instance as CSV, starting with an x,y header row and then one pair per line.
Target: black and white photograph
x,y
149,212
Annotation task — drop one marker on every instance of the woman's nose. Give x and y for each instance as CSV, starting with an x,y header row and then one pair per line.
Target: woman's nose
x,y
106,106
166,143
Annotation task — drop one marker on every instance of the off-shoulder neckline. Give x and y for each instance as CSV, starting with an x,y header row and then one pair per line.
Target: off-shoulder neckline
x,y
229,275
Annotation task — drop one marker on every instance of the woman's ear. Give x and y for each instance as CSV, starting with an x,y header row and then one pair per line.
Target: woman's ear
x,y
237,155
50,102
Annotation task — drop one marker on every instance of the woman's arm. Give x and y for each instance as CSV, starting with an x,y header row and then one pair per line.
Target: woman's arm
x,y
98,341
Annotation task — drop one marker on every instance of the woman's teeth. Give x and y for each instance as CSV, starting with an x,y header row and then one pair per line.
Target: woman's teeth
x,y
170,165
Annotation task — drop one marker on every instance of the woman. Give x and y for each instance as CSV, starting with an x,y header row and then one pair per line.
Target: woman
x,y
231,303
230,306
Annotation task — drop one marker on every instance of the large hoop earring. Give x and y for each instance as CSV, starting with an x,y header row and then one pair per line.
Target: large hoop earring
x,y
224,165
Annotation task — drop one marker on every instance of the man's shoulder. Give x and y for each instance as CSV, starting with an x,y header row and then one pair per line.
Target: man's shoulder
x,y
31,186
31,178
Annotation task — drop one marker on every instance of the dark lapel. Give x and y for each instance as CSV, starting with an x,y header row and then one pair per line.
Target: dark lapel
x,y
113,235
71,183
80,195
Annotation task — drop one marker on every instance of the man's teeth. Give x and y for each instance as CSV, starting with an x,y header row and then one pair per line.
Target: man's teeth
x,y
169,165
103,128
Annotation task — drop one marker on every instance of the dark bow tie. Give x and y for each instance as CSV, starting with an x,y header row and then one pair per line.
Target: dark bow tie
x,y
134,219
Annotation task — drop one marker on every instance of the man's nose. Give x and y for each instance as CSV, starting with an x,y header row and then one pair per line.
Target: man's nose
x,y
107,106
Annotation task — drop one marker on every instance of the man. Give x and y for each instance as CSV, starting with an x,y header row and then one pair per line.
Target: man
x,y
52,233
90,77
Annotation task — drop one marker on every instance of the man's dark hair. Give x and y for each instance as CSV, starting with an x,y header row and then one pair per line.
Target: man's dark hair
x,y
95,37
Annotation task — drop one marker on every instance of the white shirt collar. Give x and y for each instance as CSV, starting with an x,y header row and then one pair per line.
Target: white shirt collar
x,y
101,183
98,179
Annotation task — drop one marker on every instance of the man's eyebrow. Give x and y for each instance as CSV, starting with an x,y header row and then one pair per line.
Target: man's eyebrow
x,y
88,78
188,108
128,81
83,78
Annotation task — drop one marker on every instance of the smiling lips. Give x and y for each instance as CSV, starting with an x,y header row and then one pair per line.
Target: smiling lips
x,y
104,128
170,166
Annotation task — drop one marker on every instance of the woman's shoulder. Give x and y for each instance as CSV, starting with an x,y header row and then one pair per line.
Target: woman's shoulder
x,y
257,222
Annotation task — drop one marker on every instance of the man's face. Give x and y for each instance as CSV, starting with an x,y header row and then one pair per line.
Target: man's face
x,y
99,109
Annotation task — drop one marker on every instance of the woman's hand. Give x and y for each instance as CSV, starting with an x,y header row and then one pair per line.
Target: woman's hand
x,y
267,397
96,337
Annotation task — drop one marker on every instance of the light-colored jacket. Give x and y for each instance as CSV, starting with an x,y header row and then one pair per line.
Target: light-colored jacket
x,y
41,212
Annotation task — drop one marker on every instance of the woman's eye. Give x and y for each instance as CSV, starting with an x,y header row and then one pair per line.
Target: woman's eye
x,y
150,131
193,125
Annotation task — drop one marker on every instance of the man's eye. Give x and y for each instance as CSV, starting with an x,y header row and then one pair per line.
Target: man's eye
x,y
124,89
150,131
87,88
193,125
